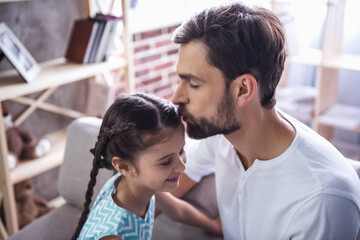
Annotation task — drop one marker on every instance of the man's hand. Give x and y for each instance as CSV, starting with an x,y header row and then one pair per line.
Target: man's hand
x,y
217,227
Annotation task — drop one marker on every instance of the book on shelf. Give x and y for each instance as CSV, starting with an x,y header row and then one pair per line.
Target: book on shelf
x,y
108,36
98,57
98,37
81,40
89,46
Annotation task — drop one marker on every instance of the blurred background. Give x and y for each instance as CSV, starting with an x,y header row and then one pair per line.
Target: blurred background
x,y
319,87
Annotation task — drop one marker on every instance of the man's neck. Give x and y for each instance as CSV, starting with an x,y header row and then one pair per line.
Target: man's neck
x,y
264,135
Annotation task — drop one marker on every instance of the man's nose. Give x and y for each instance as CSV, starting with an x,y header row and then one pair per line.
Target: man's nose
x,y
180,95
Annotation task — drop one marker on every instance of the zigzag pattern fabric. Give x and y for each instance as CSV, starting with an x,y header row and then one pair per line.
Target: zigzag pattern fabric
x,y
106,218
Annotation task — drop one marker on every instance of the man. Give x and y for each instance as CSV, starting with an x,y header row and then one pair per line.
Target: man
x,y
275,177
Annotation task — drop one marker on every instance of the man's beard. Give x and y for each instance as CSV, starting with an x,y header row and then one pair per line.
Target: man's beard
x,y
223,123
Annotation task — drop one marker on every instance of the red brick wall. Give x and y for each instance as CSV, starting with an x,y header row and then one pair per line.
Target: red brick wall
x,y
154,61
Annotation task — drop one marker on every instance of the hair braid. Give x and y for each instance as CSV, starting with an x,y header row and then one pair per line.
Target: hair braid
x,y
97,151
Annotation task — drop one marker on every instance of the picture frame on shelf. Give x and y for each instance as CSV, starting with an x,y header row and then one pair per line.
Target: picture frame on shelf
x,y
17,54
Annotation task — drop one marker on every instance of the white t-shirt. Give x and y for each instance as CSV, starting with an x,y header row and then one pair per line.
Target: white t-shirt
x,y
310,191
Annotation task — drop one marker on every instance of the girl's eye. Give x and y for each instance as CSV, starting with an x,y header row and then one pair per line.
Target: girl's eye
x,y
182,151
167,162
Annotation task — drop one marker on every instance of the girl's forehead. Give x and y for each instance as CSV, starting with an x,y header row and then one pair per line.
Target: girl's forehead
x,y
171,140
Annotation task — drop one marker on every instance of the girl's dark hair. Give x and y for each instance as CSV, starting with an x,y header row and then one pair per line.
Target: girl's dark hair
x,y
240,40
131,124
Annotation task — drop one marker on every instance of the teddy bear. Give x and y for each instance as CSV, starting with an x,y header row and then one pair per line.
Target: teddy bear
x,y
28,206
22,145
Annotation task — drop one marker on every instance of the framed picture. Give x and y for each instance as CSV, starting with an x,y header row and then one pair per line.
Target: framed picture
x,y
17,54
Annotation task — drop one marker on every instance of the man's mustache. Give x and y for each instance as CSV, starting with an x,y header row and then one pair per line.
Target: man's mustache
x,y
181,109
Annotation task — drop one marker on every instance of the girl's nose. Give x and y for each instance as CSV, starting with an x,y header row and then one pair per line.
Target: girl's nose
x,y
180,165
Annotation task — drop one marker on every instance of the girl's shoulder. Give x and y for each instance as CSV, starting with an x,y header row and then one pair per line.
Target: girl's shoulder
x,y
114,220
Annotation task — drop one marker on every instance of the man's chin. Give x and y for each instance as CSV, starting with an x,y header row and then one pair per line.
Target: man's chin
x,y
196,133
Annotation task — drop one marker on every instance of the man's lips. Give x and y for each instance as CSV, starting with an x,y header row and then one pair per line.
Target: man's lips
x,y
184,118
173,180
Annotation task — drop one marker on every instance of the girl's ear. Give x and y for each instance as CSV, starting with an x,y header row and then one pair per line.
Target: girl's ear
x,y
122,166
245,87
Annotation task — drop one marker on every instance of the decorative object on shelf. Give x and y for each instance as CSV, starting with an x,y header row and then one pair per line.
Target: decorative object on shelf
x,y
92,39
29,207
17,54
22,145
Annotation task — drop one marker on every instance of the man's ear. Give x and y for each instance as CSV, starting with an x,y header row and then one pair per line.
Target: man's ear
x,y
122,166
245,87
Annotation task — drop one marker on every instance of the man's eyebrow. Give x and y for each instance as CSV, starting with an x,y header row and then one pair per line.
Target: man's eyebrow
x,y
190,77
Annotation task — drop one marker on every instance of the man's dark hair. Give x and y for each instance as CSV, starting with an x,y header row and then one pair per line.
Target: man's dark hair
x,y
239,40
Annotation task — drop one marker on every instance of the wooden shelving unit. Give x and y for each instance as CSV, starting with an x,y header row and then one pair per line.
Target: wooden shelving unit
x,y
53,74
307,56
5,1
327,112
345,62
11,86
341,116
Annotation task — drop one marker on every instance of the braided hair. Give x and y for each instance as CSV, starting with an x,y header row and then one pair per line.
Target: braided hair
x,y
122,133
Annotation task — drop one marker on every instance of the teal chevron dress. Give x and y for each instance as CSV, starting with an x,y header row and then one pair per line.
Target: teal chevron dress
x,y
106,218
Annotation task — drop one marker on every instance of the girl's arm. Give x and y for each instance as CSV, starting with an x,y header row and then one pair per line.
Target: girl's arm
x,y
186,184
112,237
181,211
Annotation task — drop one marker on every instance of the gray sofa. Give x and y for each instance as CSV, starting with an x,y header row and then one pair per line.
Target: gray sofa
x,y
60,223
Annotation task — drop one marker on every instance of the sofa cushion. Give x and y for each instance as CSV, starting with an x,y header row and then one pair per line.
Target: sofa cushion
x,y
59,224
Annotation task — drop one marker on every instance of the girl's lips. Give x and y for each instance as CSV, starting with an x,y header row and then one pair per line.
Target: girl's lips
x,y
173,180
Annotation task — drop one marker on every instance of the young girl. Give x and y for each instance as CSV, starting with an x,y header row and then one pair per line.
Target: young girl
x,y
141,138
